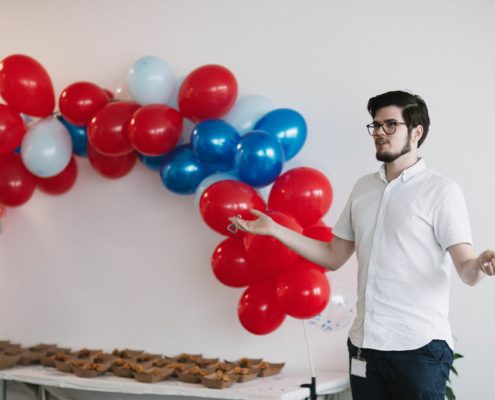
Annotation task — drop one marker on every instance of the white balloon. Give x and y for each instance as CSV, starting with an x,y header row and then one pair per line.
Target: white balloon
x,y
247,111
122,91
46,148
339,312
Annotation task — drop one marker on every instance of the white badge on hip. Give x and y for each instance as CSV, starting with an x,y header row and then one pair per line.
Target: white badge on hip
x,y
358,365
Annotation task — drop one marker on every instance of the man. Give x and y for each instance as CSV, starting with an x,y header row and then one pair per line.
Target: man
x,y
401,221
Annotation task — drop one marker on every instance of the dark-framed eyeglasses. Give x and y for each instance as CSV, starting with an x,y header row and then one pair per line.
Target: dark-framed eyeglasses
x,y
389,127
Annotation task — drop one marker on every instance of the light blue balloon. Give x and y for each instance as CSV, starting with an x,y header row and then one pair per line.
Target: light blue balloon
x,y
174,101
151,81
182,172
28,120
259,158
152,162
214,142
187,129
247,111
288,126
46,148
210,180
78,135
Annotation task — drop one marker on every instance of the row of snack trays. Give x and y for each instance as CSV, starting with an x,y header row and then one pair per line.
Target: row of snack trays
x,y
138,365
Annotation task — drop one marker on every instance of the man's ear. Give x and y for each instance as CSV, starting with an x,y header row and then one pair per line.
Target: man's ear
x,y
417,133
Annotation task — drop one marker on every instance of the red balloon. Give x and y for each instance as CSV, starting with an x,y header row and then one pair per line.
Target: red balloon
x,y
80,101
109,94
303,291
111,167
258,310
323,233
266,252
12,129
108,130
304,193
155,129
17,184
26,86
62,182
226,199
229,263
318,223
207,92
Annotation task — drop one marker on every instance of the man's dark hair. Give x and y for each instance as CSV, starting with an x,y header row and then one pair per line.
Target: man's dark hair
x,y
414,110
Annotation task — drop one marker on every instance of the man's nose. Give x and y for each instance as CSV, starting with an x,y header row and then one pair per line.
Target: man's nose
x,y
380,131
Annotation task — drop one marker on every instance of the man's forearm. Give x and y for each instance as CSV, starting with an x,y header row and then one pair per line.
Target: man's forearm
x,y
471,273
316,251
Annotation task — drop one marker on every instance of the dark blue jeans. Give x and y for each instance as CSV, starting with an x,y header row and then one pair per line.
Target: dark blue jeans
x,y
419,374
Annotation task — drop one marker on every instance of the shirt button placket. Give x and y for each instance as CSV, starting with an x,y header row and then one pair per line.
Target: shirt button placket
x,y
370,283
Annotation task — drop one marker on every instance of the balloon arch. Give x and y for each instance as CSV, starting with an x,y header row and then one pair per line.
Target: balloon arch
x,y
223,163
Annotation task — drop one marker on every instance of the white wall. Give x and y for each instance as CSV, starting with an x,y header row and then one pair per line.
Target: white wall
x,y
126,263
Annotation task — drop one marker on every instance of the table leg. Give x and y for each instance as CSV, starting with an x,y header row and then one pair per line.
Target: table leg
x,y
3,389
42,395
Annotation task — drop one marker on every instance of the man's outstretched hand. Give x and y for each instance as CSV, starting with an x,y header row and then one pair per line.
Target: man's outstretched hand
x,y
263,225
486,261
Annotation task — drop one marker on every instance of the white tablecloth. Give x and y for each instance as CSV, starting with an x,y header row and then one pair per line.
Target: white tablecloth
x,y
284,386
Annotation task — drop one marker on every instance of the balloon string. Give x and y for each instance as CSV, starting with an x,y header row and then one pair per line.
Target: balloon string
x,y
308,348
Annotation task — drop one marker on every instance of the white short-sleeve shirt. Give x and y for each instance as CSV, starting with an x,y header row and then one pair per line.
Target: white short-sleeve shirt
x,y
402,230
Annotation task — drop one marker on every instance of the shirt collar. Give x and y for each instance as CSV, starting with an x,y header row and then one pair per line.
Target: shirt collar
x,y
407,174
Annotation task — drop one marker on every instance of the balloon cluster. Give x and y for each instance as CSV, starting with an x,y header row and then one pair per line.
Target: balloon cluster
x,y
237,145
279,282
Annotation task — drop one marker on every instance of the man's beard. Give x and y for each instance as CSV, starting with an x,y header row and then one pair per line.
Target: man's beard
x,y
389,157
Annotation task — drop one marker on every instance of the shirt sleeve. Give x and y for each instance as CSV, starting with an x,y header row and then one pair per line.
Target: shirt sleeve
x,y
451,219
343,228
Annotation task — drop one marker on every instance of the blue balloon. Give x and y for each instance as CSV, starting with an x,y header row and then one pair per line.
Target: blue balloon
x,y
182,172
78,135
210,180
152,162
214,142
288,126
259,158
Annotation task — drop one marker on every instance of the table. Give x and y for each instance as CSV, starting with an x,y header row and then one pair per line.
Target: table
x,y
284,386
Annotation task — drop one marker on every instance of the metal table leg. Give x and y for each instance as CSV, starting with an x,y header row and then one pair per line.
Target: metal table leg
x,y
42,395
3,389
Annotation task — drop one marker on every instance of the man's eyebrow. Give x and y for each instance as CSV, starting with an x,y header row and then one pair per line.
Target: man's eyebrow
x,y
387,120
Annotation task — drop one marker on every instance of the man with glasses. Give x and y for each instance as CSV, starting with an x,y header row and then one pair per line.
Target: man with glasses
x,y
401,221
